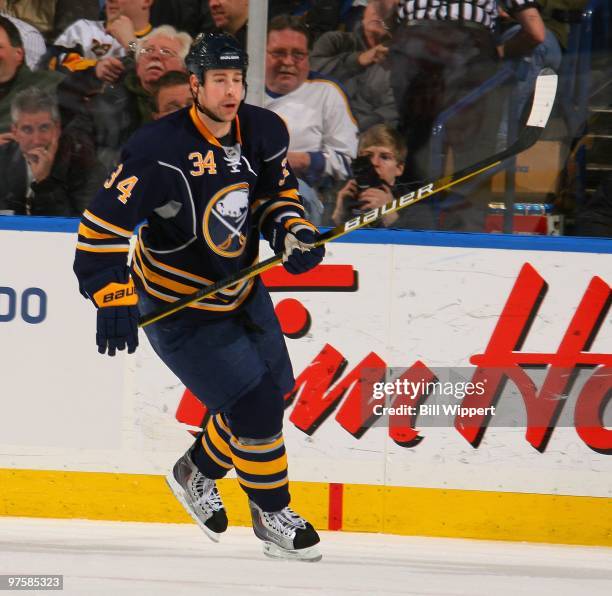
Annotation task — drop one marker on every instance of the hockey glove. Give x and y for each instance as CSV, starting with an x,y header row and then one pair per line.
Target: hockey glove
x,y
117,325
295,238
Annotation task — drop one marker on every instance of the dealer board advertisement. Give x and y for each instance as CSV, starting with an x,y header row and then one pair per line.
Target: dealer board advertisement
x,y
417,365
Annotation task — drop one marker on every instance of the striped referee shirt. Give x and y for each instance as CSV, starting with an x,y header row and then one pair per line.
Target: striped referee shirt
x,y
483,12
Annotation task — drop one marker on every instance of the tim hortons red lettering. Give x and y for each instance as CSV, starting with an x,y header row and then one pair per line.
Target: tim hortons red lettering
x,y
293,316
588,415
356,414
315,402
503,360
401,428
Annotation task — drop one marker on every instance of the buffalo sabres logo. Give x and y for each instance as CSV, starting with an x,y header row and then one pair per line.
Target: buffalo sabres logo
x,y
224,220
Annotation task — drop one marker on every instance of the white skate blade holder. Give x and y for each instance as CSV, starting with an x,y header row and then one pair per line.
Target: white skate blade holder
x,y
309,555
179,493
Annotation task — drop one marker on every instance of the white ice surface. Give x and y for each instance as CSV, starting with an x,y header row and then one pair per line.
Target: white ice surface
x,y
116,559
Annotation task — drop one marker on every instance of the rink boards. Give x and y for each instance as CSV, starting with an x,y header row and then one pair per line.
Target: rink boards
x,y
75,424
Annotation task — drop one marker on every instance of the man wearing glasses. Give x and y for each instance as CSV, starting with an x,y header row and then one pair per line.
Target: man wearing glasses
x,y
321,125
115,111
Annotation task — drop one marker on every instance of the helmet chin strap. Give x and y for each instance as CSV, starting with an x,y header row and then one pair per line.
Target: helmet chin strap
x,y
204,110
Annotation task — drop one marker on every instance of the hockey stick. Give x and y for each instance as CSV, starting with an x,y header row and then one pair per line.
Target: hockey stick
x,y
544,97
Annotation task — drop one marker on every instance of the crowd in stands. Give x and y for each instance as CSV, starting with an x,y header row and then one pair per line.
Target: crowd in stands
x,y
359,83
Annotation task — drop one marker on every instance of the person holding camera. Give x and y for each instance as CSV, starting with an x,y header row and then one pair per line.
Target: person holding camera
x,y
380,161
381,156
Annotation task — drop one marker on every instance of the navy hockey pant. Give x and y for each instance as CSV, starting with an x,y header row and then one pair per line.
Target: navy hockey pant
x,y
238,366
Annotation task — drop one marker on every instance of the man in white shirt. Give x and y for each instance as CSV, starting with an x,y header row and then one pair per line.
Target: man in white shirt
x,y
322,129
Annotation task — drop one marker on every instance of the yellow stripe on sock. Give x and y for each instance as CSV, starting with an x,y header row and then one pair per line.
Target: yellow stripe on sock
x,y
217,440
261,468
212,456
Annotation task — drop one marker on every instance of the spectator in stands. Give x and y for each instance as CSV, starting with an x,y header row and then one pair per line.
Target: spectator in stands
x,y
386,151
375,182
15,74
33,42
171,93
442,51
357,60
102,44
231,16
42,170
114,112
322,129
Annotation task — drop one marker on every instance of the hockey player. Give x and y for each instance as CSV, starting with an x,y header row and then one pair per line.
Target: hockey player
x,y
207,180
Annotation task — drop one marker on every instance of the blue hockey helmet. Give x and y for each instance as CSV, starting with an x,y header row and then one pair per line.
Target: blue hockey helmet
x,y
215,51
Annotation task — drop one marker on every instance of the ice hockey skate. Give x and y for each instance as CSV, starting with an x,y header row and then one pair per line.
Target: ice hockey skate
x,y
285,534
199,496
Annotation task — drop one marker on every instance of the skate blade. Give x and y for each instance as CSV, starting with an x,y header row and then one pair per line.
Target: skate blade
x,y
310,554
179,493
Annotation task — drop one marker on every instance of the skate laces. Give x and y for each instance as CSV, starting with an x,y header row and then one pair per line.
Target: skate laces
x,y
206,493
286,521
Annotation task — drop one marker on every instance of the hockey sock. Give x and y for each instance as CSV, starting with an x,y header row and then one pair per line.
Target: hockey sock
x,y
212,454
261,467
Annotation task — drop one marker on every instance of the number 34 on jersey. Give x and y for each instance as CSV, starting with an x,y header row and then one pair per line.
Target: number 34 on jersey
x,y
124,186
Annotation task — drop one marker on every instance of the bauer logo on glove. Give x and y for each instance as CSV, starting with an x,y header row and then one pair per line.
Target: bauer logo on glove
x,y
117,317
115,294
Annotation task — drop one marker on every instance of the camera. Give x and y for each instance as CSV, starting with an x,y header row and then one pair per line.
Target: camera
x,y
365,174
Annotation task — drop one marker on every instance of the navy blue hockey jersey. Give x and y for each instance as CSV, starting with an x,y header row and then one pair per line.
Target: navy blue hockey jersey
x,y
203,205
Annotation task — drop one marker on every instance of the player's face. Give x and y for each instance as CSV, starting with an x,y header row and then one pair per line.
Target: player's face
x,y
221,92
35,131
10,58
157,56
171,99
384,161
287,62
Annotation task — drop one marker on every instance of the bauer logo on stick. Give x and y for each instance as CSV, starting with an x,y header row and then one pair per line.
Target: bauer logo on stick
x,y
371,216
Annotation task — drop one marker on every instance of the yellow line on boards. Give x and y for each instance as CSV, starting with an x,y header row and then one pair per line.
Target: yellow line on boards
x,y
451,513
560,519
130,497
